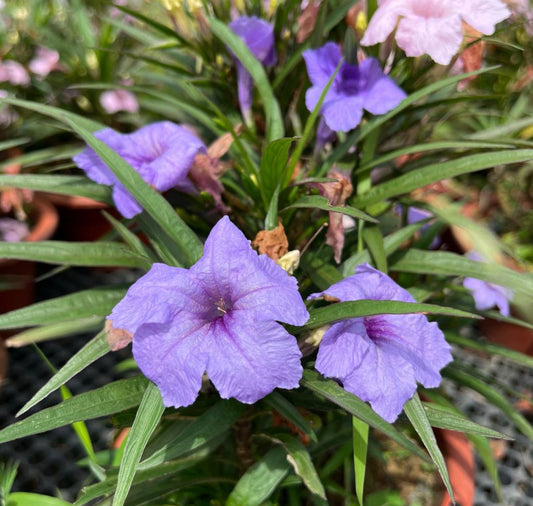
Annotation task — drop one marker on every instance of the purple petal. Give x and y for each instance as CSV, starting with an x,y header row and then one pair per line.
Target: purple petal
x,y
321,63
174,356
231,269
245,89
248,359
258,35
125,202
487,295
154,298
483,15
382,94
344,113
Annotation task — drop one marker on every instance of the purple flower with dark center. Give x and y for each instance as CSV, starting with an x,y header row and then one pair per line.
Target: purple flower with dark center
x,y
487,295
258,35
162,153
355,87
381,358
220,317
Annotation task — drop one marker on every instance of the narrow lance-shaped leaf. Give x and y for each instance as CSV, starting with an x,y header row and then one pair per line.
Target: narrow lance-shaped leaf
x,y
146,420
103,401
65,185
260,481
356,309
101,253
360,432
450,264
92,351
93,302
437,172
415,412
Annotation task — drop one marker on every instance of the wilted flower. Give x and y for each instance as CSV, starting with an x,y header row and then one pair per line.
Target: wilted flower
x,y
337,193
119,100
162,153
487,295
14,73
355,87
258,35
44,61
13,230
433,27
220,317
380,358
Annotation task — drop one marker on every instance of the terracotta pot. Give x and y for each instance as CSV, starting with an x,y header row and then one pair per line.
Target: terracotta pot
x,y
80,218
45,220
459,457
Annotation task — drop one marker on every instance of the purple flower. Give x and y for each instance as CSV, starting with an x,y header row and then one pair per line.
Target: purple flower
x,y
220,317
13,230
258,35
380,358
14,73
162,153
119,100
487,295
416,214
355,87
45,61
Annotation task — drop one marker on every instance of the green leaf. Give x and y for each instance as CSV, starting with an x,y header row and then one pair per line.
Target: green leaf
x,y
491,349
445,418
414,410
29,499
273,115
55,330
374,240
301,462
103,401
101,253
93,302
439,171
286,409
65,185
360,446
273,165
450,264
260,481
356,407
176,441
390,244
146,420
356,309
92,351
494,397
319,202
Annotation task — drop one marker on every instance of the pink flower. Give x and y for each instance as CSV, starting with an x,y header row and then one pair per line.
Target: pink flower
x,y
14,73
44,61
432,27
119,100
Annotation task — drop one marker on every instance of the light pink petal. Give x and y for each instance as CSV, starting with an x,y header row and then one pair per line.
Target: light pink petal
x,y
440,38
483,15
384,21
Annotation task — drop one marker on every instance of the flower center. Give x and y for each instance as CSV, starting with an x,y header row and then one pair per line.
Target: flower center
x,y
220,307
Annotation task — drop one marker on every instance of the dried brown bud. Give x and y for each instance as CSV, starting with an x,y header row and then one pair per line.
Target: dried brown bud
x,y
273,243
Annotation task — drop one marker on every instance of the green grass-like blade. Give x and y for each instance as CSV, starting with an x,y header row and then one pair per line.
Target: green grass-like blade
x,y
176,441
90,254
65,185
103,401
260,481
414,410
146,420
92,302
374,241
319,202
356,309
273,115
438,171
450,264
360,446
92,351
31,499
356,407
